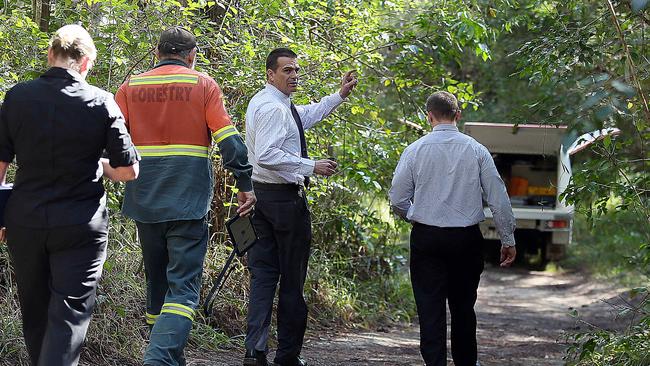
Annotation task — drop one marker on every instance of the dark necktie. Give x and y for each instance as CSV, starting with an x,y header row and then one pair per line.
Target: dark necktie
x,y
301,132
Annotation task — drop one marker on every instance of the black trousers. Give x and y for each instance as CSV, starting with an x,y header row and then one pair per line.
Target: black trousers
x,y
283,225
446,265
57,271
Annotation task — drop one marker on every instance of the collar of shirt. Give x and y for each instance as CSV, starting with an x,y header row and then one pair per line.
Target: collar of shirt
x,y
59,72
171,62
272,90
445,127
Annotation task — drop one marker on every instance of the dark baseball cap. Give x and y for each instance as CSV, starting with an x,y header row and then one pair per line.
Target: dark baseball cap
x,y
176,39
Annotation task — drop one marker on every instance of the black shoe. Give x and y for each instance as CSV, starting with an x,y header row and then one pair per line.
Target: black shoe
x,y
296,362
255,358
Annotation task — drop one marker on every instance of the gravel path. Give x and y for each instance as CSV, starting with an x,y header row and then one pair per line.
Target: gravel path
x,y
523,317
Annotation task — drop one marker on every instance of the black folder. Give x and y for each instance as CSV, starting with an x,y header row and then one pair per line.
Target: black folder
x,y
5,192
242,233
243,236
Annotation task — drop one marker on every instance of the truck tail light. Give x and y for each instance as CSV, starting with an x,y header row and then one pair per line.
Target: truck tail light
x,y
557,224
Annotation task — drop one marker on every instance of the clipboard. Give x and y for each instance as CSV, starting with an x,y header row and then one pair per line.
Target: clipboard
x,y
243,236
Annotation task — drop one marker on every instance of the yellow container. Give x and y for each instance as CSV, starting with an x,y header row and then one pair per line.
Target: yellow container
x,y
541,191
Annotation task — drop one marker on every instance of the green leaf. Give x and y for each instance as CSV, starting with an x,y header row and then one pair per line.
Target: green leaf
x,y
624,88
604,112
594,79
607,140
594,99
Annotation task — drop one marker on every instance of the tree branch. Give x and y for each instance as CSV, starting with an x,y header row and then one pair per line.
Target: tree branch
x,y
630,61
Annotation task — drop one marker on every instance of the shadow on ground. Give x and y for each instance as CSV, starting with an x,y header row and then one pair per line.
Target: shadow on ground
x,y
523,319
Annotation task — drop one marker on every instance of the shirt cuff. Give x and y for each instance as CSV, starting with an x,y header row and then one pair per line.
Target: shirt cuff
x,y
6,155
401,210
306,168
123,158
244,183
508,240
337,98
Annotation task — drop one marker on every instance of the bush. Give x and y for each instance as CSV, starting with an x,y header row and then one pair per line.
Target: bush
x,y
611,247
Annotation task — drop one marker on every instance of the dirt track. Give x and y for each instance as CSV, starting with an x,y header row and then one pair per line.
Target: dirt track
x,y
522,319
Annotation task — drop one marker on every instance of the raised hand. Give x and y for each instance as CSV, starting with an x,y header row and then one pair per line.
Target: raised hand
x,y
348,83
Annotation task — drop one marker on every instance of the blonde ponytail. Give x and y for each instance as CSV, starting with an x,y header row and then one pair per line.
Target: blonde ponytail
x,y
73,42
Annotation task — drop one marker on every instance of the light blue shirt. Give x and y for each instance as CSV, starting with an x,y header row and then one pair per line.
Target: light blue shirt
x,y
272,136
442,179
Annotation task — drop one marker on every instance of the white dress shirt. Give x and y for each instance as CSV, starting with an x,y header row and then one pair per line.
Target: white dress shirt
x,y
272,136
442,178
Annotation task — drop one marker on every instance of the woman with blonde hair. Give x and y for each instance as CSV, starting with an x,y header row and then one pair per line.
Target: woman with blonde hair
x,y
58,127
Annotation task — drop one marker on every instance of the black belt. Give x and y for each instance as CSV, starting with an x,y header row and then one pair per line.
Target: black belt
x,y
445,228
278,186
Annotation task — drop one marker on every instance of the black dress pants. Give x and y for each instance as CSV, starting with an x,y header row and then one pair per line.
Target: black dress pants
x,y
57,271
283,225
446,265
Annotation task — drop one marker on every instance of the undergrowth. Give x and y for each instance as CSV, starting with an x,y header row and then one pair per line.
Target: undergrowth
x,y
614,247
354,280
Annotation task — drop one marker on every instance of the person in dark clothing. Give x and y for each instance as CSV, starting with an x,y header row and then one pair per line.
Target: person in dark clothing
x,y
281,169
58,127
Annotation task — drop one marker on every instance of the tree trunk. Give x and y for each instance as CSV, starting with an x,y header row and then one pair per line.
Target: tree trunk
x,y
41,14
44,23
36,11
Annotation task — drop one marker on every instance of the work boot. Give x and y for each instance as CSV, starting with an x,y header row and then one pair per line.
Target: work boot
x,y
255,358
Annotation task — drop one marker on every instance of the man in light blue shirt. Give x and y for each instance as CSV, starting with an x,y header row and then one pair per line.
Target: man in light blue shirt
x,y
439,186
277,149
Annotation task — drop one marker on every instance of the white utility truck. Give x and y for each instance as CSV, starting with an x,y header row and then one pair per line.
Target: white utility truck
x,y
533,161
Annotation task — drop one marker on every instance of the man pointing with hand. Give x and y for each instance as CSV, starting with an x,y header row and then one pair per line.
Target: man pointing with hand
x,y
277,149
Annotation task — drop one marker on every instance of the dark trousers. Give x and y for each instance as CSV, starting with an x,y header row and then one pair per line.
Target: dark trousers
x,y
283,225
446,265
57,271
173,254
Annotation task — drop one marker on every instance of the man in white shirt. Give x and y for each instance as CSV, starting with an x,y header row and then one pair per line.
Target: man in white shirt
x,y
438,186
281,169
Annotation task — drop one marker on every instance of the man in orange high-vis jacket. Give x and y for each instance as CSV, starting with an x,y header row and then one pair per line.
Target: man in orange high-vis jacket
x,y
173,114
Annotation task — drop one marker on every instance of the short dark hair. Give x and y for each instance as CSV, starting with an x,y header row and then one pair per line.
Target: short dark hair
x,y
176,42
272,58
443,105
176,39
179,55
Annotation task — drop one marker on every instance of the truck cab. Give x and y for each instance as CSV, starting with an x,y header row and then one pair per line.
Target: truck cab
x,y
534,163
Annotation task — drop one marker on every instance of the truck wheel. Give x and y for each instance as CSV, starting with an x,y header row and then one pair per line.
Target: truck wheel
x,y
555,252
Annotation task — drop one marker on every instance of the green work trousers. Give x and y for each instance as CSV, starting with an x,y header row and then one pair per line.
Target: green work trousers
x,y
173,253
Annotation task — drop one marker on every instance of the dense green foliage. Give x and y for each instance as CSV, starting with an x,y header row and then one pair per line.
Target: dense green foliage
x,y
507,60
354,274
608,247
588,62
